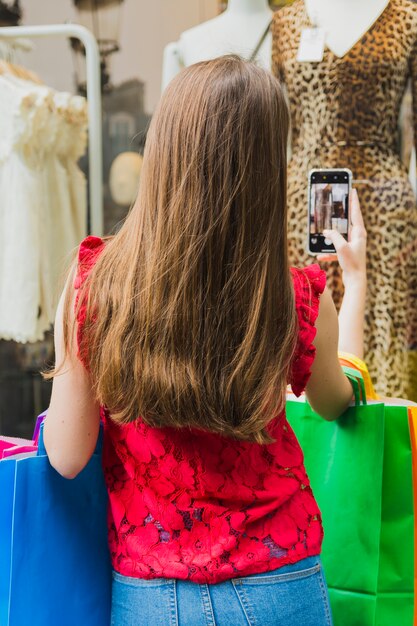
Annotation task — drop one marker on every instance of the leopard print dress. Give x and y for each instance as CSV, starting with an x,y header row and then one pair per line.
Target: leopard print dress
x,y
345,113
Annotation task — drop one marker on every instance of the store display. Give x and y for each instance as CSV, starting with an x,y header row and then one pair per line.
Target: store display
x,y
345,114
125,125
43,201
238,30
124,177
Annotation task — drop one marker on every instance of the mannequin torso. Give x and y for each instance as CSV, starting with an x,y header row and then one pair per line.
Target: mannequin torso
x,y
344,113
236,31
344,21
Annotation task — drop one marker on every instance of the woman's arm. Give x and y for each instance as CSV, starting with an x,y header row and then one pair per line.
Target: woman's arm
x,y
328,390
352,310
72,424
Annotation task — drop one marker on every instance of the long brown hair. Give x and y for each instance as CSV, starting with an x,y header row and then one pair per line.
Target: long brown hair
x,y
191,316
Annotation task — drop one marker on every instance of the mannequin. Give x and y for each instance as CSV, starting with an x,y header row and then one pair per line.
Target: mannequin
x,y
344,21
342,33
345,108
236,31
124,177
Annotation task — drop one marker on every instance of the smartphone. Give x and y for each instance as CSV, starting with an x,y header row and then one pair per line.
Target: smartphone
x,y
328,207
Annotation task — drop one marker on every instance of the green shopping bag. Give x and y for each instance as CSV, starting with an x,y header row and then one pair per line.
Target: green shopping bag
x,y
360,469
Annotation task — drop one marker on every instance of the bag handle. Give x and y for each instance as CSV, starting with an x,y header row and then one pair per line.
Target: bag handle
x,y
42,449
39,421
351,360
358,384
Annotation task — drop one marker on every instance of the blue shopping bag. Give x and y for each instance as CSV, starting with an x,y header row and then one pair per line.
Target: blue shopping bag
x,y
54,559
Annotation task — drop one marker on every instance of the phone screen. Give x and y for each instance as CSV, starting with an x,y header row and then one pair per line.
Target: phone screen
x,y
328,207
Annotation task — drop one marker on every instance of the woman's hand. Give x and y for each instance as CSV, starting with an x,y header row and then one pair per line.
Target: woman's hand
x,y
351,254
352,259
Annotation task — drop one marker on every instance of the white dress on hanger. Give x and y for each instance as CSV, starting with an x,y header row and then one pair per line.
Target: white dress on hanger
x,y
41,203
71,145
21,193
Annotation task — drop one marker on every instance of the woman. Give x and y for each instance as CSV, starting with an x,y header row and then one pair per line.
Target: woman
x,y
189,325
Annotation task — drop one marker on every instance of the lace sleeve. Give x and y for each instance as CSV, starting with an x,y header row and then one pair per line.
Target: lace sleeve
x,y
309,284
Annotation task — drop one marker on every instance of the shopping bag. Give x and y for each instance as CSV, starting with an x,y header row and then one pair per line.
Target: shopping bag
x,y
10,446
54,559
412,420
360,469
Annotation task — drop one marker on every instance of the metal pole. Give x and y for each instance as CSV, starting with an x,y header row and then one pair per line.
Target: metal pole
x,y
95,151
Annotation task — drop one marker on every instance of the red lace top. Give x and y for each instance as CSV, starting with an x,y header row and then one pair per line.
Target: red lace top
x,y
202,507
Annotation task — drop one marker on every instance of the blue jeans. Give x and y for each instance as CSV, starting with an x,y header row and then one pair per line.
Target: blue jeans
x,y
294,595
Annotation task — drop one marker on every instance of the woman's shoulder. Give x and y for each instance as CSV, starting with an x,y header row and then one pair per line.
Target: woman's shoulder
x,y
308,282
89,246
88,252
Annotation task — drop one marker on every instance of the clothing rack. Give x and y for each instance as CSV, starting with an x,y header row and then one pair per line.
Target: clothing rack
x,y
95,152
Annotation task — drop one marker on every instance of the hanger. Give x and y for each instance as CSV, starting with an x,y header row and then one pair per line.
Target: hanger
x,y
9,66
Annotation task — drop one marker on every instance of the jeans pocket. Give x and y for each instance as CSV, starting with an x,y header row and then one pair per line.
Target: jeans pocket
x,y
293,598
268,578
140,602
